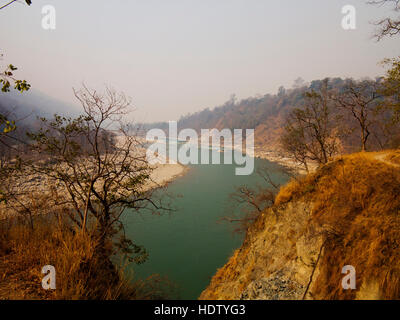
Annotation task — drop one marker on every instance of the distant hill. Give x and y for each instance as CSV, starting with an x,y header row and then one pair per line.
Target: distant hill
x,y
34,103
25,107
265,114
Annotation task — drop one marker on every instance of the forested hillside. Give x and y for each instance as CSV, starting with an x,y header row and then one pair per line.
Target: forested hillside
x,y
267,115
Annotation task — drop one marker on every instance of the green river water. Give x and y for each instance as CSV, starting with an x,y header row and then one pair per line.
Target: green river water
x,y
190,244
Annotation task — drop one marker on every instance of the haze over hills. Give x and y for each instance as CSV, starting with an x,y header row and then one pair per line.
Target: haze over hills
x,y
267,115
34,103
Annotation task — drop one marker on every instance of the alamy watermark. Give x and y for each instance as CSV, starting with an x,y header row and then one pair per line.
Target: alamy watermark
x,y
188,153
349,21
49,281
349,280
49,17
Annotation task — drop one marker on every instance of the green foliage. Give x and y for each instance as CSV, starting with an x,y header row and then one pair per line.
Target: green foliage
x,y
7,77
6,125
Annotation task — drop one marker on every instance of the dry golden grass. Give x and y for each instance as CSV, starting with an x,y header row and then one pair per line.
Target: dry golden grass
x,y
394,156
357,201
80,273
352,209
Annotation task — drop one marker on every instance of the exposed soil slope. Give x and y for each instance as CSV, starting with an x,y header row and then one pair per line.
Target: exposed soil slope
x,y
346,213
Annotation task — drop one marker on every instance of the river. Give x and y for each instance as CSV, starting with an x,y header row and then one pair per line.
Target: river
x,y
191,243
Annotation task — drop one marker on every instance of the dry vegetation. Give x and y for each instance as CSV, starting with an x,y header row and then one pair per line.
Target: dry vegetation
x,y
394,157
356,199
352,206
61,205
81,274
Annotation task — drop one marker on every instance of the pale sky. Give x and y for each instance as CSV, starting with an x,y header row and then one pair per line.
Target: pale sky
x,y
175,57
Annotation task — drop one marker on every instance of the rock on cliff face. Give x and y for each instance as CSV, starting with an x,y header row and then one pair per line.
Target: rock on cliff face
x,y
346,213
275,287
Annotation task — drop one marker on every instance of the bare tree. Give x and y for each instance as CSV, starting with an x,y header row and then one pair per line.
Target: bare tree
x,y
99,172
390,88
292,143
246,203
360,100
385,131
28,2
387,26
311,132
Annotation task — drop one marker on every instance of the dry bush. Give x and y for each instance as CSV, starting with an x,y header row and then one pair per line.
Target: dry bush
x,y
289,191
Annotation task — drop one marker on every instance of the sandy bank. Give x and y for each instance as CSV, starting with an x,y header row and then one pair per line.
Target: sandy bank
x,y
40,193
165,173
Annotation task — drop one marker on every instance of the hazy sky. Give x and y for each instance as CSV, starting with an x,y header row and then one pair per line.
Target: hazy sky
x,y
179,56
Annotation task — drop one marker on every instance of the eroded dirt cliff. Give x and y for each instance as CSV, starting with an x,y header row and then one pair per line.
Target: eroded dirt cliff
x,y
346,213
